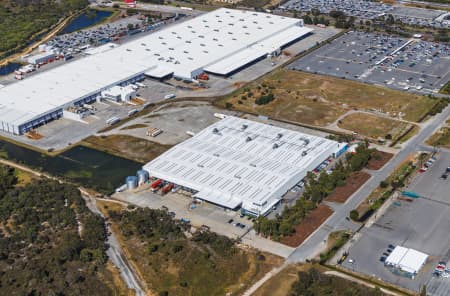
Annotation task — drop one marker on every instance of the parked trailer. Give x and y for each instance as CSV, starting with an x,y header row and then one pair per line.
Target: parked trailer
x,y
132,112
153,132
113,120
167,188
170,96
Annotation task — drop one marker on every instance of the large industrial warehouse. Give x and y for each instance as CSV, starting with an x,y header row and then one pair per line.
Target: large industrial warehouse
x,y
220,42
241,163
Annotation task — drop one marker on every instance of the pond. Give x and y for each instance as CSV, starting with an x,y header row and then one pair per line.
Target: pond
x,y
82,165
9,68
87,19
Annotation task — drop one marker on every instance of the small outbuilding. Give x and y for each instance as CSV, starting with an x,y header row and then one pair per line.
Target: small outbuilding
x,y
405,261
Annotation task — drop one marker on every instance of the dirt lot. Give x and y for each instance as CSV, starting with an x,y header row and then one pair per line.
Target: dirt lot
x,y
136,149
311,222
373,126
354,182
320,100
378,160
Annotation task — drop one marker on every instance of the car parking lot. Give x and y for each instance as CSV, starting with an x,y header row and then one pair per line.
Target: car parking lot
x,y
394,62
73,42
371,9
361,9
421,224
420,16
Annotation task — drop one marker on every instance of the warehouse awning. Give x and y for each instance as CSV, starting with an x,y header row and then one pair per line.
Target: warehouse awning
x,y
218,199
159,72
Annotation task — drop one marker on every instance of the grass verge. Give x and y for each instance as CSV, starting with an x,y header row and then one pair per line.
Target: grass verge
x,y
386,188
440,138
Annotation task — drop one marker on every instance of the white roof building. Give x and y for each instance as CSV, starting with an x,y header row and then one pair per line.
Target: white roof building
x,y
407,260
221,41
237,162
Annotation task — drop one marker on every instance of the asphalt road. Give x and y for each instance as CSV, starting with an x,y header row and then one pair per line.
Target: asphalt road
x,y
315,243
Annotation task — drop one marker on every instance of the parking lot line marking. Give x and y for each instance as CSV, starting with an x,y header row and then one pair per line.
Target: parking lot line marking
x,y
436,201
333,58
413,72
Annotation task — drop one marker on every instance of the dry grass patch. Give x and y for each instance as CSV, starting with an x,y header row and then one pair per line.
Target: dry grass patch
x,y
373,126
320,100
280,284
441,138
133,148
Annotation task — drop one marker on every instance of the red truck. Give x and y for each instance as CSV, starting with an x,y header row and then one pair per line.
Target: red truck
x,y
203,76
167,188
155,185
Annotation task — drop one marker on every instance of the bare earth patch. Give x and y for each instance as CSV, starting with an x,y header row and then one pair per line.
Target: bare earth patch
x,y
353,183
378,160
308,225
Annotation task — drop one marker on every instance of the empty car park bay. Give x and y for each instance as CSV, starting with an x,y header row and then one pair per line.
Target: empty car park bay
x,y
422,224
394,62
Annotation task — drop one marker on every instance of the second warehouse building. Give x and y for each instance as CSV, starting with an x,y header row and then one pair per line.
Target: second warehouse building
x,y
241,163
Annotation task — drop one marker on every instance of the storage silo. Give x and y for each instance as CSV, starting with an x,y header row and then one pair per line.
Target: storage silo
x,y
142,176
132,182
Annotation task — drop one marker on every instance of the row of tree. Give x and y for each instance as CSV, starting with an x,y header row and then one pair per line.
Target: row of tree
x,y
316,189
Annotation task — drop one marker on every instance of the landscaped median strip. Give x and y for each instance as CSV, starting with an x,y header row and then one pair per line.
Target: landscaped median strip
x,y
386,189
298,222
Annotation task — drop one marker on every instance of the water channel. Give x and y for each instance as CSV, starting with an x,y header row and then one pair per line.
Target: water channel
x,y
85,166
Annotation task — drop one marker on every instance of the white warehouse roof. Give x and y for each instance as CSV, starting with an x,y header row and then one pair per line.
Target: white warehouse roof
x,y
408,260
221,41
238,162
